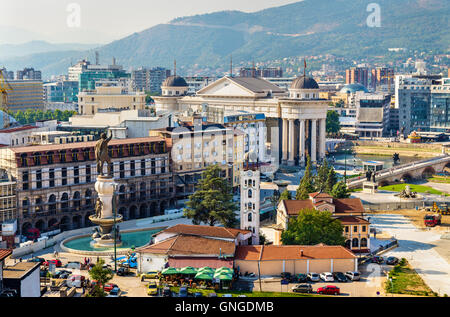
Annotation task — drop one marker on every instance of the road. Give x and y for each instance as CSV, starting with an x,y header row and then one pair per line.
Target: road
x,y
418,247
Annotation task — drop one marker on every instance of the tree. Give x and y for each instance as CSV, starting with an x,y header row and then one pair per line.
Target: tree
x,y
331,181
321,177
333,124
286,195
340,190
306,185
101,275
213,202
312,227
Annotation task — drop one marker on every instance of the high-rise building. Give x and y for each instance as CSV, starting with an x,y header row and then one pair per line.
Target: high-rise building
x,y
440,106
383,76
25,94
150,80
61,91
28,74
8,75
357,75
413,99
76,70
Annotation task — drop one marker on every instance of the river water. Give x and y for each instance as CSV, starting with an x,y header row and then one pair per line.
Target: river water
x,y
357,160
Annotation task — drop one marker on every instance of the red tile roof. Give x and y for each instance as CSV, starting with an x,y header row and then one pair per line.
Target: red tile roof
x,y
320,195
342,206
4,254
285,252
352,220
186,245
206,231
24,128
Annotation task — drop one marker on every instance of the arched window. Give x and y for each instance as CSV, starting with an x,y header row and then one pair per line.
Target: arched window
x,y
250,193
355,243
250,217
363,243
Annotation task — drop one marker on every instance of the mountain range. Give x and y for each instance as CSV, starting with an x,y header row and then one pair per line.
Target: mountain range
x,y
309,27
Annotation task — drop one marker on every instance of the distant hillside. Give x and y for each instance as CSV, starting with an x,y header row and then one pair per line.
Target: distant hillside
x,y
307,27
36,47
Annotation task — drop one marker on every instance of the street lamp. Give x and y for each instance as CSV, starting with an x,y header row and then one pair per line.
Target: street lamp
x,y
115,227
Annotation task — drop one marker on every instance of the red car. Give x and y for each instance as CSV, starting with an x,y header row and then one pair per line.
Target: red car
x,y
56,262
329,290
109,287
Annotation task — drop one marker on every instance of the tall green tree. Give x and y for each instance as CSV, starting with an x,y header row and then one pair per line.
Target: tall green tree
x,y
331,181
340,190
101,275
312,227
213,202
333,125
286,195
307,183
322,175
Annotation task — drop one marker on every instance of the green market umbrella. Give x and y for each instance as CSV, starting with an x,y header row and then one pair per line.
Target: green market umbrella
x,y
170,271
225,270
206,270
188,271
224,277
203,276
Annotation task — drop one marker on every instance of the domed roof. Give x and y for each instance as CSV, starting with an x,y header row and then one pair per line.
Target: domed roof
x,y
175,81
303,82
352,88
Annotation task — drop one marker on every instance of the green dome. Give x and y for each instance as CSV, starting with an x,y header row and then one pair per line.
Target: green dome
x,y
352,88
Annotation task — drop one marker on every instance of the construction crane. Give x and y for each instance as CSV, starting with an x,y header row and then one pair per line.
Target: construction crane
x,y
5,88
389,77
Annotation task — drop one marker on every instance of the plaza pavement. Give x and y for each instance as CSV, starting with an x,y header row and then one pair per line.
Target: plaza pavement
x,y
417,246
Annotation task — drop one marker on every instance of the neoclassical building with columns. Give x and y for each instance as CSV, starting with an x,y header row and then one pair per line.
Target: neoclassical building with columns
x,y
296,119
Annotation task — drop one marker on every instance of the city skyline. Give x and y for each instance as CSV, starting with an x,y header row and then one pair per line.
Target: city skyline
x,y
19,25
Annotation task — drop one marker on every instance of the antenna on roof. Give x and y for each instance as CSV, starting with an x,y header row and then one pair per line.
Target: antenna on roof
x,y
231,65
304,71
175,68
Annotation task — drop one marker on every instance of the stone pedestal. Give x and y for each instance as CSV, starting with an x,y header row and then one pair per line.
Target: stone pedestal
x,y
370,187
104,237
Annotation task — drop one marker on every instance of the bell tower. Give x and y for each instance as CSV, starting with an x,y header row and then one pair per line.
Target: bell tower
x,y
250,203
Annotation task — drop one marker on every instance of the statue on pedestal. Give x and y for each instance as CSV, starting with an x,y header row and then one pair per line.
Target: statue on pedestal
x,y
101,154
98,208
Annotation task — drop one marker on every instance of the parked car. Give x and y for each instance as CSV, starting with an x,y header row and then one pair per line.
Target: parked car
x,y
392,260
313,277
302,278
149,275
108,287
123,271
75,281
152,289
340,277
302,288
37,260
183,292
58,274
57,263
329,290
286,276
353,276
227,295
212,295
73,265
167,292
115,292
327,277
377,259
198,295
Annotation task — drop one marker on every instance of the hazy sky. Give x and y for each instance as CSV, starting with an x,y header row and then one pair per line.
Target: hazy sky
x,y
104,20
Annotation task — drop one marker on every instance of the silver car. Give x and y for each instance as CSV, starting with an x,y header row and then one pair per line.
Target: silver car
x,y
313,277
353,276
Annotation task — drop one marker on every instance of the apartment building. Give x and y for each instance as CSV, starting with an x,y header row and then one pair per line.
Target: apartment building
x,y
109,99
149,79
25,94
55,183
196,146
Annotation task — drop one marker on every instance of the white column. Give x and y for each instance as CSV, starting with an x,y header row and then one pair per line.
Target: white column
x,y
302,137
291,161
313,141
285,141
322,138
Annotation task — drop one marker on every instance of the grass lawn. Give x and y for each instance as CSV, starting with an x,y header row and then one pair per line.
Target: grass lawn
x,y
439,179
219,293
414,188
405,280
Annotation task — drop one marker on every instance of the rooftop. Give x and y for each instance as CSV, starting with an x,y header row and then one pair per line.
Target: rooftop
x,y
187,245
342,206
205,231
256,84
285,252
4,253
19,270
